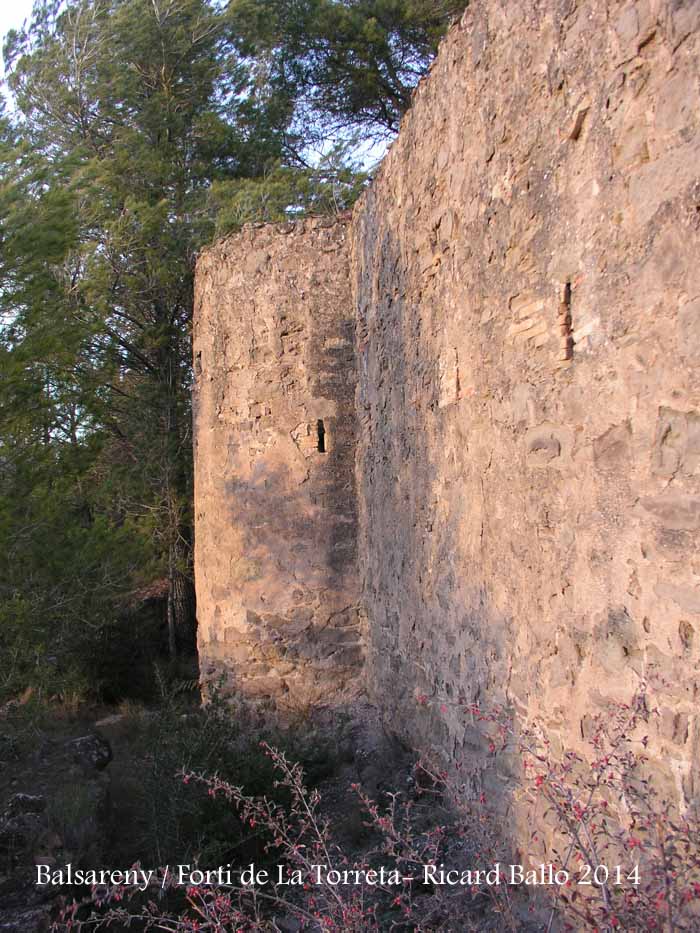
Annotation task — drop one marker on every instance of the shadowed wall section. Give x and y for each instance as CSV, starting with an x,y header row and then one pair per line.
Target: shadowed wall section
x,y
528,291
275,493
526,305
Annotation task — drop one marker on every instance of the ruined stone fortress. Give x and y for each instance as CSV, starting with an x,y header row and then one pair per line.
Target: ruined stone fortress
x,y
449,447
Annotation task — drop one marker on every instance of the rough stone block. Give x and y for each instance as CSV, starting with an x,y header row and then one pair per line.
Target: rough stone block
x,y
534,545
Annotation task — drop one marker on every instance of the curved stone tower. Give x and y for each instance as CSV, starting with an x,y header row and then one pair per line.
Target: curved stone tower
x,y
275,434
525,287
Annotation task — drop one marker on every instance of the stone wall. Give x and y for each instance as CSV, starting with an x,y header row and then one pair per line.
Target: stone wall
x,y
528,292
526,300
276,569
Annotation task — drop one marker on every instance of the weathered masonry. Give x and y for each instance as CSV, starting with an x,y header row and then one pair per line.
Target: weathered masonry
x,y
276,503
472,414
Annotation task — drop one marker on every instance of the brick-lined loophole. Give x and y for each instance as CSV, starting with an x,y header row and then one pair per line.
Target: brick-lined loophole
x,y
321,436
565,321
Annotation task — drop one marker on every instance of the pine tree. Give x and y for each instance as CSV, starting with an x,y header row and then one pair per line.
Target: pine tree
x,y
142,129
347,64
129,111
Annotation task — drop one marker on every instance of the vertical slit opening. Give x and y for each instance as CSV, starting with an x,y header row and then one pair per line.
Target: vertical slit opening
x,y
565,323
321,436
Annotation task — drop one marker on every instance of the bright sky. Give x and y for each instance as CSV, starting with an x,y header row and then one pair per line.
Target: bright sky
x,y
12,15
14,12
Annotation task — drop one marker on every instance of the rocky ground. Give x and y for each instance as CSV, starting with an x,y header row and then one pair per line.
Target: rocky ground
x,y
71,791
54,808
99,788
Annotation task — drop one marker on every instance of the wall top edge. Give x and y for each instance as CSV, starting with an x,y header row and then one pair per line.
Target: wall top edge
x,y
312,222
301,226
459,24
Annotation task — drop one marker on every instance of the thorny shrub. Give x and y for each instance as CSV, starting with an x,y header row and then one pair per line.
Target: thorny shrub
x,y
626,859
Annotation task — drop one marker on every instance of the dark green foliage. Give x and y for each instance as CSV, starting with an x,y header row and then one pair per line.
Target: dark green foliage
x,y
129,111
346,63
157,817
141,130
331,187
161,817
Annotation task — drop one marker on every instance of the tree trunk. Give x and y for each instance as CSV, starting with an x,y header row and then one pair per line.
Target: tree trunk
x,y
181,608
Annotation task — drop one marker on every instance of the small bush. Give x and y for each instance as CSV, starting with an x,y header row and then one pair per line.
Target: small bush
x,y
631,861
